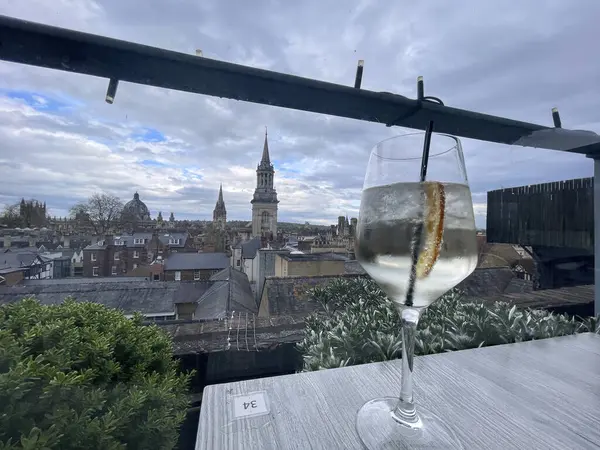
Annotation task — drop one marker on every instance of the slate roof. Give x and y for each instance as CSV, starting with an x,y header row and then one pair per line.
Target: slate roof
x,y
290,295
487,281
250,247
165,237
227,291
17,259
94,280
7,270
548,298
129,240
230,292
146,297
196,261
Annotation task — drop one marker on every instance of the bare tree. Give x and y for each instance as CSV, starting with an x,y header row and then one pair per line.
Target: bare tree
x,y
11,216
101,212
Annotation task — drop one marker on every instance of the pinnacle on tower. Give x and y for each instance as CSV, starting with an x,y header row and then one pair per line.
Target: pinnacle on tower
x,y
265,154
220,199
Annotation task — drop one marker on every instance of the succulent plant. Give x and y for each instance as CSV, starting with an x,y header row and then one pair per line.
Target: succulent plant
x,y
357,324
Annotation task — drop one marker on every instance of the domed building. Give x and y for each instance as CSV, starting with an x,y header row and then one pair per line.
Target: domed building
x,y
136,209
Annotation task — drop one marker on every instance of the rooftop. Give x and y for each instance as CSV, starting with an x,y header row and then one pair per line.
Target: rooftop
x,y
146,297
226,291
230,292
314,257
289,295
142,239
250,247
196,261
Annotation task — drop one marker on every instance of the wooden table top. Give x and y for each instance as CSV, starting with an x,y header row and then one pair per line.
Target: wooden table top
x,y
541,394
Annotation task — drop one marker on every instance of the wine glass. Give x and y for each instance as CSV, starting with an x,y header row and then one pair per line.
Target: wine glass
x,y
416,239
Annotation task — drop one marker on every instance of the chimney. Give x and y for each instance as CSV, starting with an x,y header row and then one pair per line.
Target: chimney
x,y
108,239
66,241
7,241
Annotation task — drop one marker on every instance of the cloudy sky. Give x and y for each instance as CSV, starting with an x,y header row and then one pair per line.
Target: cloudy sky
x,y
60,142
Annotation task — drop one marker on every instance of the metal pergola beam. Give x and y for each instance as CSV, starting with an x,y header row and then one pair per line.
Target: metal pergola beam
x,y
57,48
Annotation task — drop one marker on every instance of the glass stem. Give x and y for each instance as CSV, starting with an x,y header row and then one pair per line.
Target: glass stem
x,y
405,411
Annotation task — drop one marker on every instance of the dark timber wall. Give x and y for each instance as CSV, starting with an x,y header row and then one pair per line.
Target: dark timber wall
x,y
558,214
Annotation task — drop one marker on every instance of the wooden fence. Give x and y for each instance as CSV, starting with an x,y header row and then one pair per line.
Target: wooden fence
x,y
558,214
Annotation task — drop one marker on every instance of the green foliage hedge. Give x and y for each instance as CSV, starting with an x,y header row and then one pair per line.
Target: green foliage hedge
x,y
358,324
80,375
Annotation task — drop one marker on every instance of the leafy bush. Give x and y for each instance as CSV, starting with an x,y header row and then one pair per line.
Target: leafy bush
x,y
80,375
358,324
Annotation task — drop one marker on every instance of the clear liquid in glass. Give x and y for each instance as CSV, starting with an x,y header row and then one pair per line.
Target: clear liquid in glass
x,y
389,216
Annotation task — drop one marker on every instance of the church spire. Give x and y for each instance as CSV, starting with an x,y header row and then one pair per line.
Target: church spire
x,y
265,155
220,213
220,200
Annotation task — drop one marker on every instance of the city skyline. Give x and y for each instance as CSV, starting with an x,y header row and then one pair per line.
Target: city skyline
x,y
60,137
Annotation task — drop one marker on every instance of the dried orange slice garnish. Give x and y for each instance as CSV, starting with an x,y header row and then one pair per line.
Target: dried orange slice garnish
x,y
433,227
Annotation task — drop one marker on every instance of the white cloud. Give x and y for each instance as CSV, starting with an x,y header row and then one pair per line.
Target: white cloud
x,y
516,62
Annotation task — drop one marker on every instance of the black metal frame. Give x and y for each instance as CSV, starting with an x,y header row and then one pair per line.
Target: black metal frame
x,y
57,48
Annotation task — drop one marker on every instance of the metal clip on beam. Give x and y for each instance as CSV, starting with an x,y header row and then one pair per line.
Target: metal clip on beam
x,y
111,92
420,88
420,98
359,73
421,93
556,118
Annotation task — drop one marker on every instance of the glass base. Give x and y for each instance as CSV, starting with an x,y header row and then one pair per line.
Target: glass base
x,y
378,429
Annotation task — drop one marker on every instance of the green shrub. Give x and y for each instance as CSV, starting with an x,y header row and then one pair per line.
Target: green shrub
x,y
80,375
358,324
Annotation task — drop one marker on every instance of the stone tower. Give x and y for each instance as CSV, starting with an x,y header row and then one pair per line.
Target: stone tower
x,y
264,202
220,213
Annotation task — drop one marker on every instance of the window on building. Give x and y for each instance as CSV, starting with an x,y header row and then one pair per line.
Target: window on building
x,y
136,254
114,270
93,256
156,277
237,263
196,275
139,240
177,275
94,271
116,256
265,219
135,266
162,318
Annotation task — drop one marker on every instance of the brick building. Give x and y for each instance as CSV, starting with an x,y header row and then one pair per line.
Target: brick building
x,y
119,255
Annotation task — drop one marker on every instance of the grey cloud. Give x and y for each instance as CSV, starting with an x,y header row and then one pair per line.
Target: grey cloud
x,y
517,61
